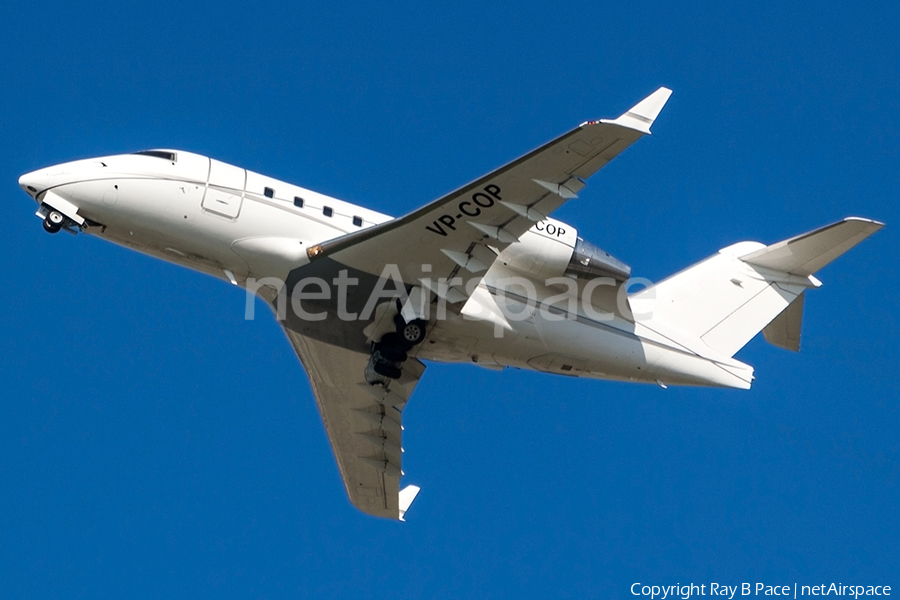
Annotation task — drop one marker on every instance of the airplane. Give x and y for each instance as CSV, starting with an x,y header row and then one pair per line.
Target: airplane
x,y
482,275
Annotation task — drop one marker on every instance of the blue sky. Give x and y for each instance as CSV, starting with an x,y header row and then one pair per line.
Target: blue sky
x,y
155,444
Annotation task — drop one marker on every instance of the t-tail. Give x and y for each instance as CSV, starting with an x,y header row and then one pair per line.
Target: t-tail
x,y
746,288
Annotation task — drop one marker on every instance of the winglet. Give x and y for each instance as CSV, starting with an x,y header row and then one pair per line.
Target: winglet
x,y
641,116
407,495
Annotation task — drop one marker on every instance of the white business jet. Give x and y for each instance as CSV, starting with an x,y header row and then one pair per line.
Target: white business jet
x,y
482,275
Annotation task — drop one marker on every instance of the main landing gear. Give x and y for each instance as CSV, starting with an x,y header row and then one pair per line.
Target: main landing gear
x,y
389,353
413,332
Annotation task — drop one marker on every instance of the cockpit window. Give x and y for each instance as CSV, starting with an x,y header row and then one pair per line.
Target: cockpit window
x,y
170,156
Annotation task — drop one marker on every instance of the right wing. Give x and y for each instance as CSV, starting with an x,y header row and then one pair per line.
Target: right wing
x,y
461,233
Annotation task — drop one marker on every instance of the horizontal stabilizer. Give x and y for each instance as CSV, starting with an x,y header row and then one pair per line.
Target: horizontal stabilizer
x,y
807,253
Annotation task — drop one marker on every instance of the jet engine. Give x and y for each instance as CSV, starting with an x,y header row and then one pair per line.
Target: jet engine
x,y
553,249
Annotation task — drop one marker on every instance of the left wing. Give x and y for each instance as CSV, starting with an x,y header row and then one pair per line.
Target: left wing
x,y
461,233
362,422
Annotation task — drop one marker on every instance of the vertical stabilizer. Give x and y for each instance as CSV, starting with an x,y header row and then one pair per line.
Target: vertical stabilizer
x,y
731,296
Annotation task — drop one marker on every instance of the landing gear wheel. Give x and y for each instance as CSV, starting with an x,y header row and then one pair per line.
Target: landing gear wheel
x,y
388,370
413,332
53,221
51,227
395,340
390,353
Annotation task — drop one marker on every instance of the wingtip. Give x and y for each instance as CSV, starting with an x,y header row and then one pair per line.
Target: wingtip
x,y
642,115
650,107
873,222
407,495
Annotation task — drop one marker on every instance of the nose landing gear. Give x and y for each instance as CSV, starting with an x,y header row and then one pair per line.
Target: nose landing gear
x,y
61,215
53,222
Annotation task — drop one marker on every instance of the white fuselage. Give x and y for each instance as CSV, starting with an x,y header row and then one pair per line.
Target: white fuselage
x,y
242,227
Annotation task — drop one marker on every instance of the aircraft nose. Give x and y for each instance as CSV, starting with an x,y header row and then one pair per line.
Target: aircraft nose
x,y
33,183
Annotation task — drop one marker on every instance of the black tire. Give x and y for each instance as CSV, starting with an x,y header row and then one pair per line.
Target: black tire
x,y
50,227
55,218
413,332
394,340
390,353
388,370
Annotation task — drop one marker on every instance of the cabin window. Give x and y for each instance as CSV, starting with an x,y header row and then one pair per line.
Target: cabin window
x,y
298,201
327,211
357,221
269,192
157,154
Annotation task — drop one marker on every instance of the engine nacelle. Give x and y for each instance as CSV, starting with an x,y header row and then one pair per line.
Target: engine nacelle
x,y
553,249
